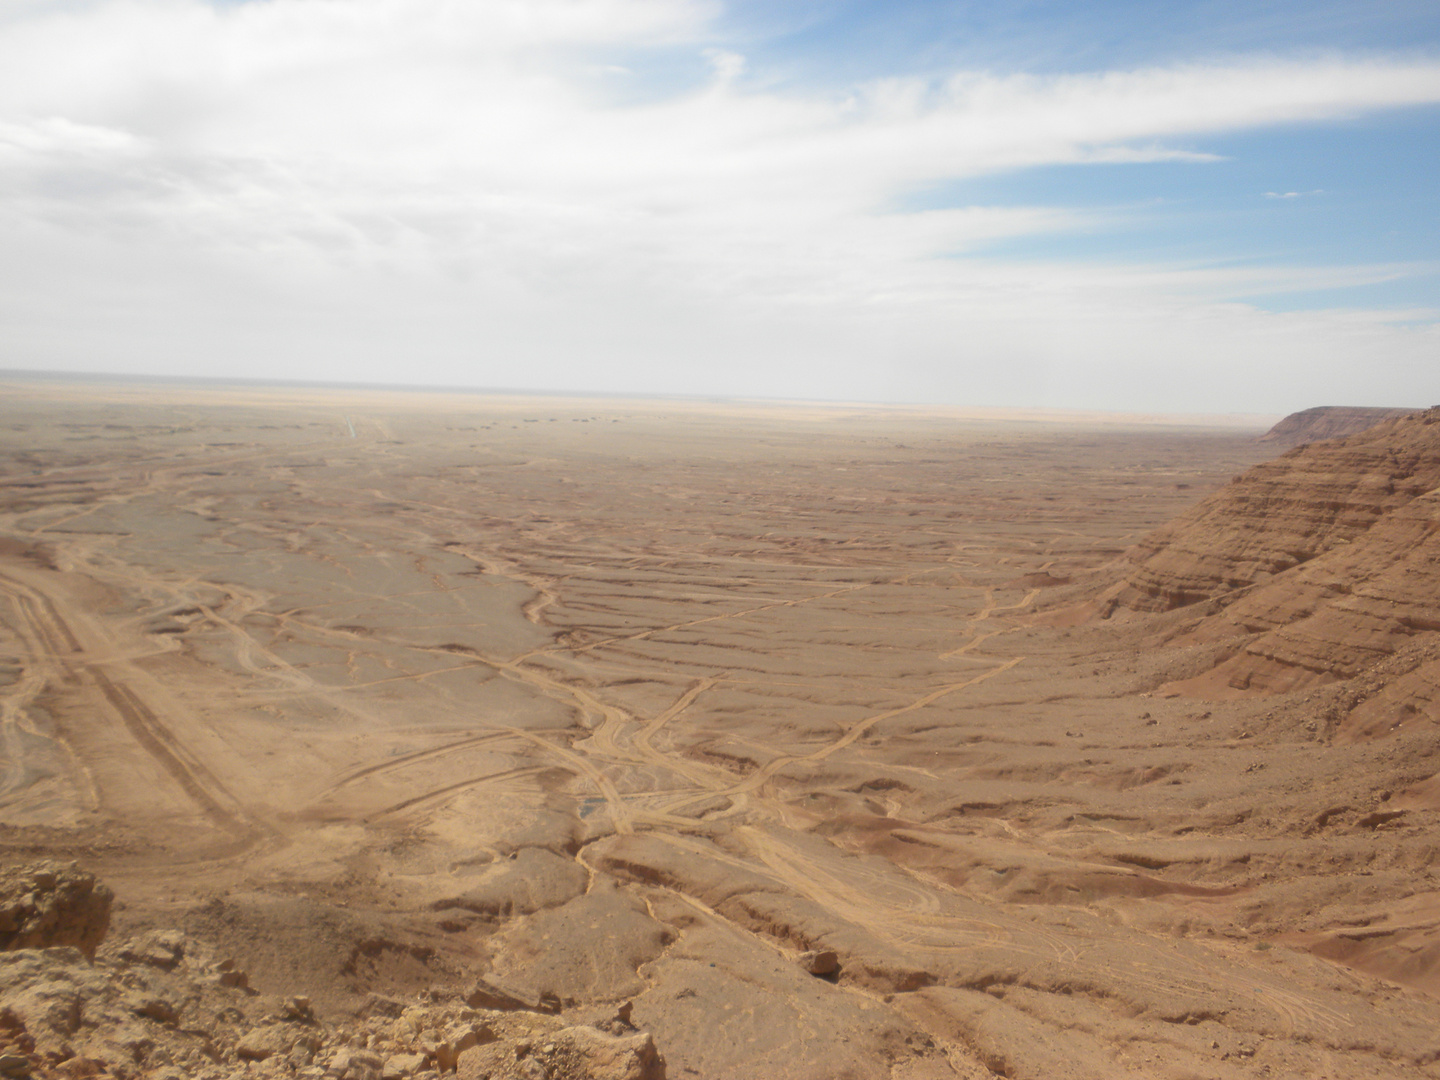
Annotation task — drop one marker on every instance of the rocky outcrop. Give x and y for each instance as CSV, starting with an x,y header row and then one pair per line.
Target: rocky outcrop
x,y
1284,513
51,905
165,1005
1323,566
1328,422
80,1016
66,1016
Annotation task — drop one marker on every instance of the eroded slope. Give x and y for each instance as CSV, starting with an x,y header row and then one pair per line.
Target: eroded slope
x,y
1324,566
1328,422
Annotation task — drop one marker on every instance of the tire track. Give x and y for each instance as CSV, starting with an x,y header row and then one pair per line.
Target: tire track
x,y
63,646
642,635
929,699
759,776
450,789
48,642
406,760
977,640
40,613
198,782
643,737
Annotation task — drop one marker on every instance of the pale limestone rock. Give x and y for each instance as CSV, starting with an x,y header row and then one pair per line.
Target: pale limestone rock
x,y
268,1041
398,1066
819,962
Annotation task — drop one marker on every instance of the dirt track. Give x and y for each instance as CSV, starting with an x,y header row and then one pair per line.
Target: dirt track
x,y
610,699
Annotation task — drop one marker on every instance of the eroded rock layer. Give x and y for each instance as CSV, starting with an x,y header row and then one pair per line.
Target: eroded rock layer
x,y
1284,513
1330,559
1328,422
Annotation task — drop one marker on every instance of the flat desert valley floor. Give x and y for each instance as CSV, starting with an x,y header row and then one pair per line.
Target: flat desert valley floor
x,y
600,700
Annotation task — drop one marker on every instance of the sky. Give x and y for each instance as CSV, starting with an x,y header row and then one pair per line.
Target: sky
x,y
1189,206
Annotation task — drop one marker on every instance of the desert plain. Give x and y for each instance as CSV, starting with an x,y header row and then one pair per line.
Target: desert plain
x,y
594,701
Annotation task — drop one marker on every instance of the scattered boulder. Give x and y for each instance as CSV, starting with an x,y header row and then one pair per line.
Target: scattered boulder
x,y
486,994
456,1040
297,1007
574,1053
399,1066
380,1005
269,1041
819,962
158,948
355,1065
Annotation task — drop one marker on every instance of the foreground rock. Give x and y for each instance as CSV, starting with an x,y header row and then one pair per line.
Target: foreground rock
x,y
165,1005
63,1015
120,1016
53,905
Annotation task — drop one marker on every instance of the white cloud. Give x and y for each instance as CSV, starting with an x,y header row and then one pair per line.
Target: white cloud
x,y
371,177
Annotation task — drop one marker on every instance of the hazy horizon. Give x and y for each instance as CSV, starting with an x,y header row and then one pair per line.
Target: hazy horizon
x,y
91,379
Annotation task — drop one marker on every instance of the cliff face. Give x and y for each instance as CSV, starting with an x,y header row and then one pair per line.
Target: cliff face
x,y
1328,422
1284,513
1328,561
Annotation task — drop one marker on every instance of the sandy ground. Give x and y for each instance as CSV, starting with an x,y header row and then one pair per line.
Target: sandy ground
x,y
604,700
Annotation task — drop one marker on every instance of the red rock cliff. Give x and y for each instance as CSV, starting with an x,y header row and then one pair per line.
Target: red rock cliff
x,y
1330,558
